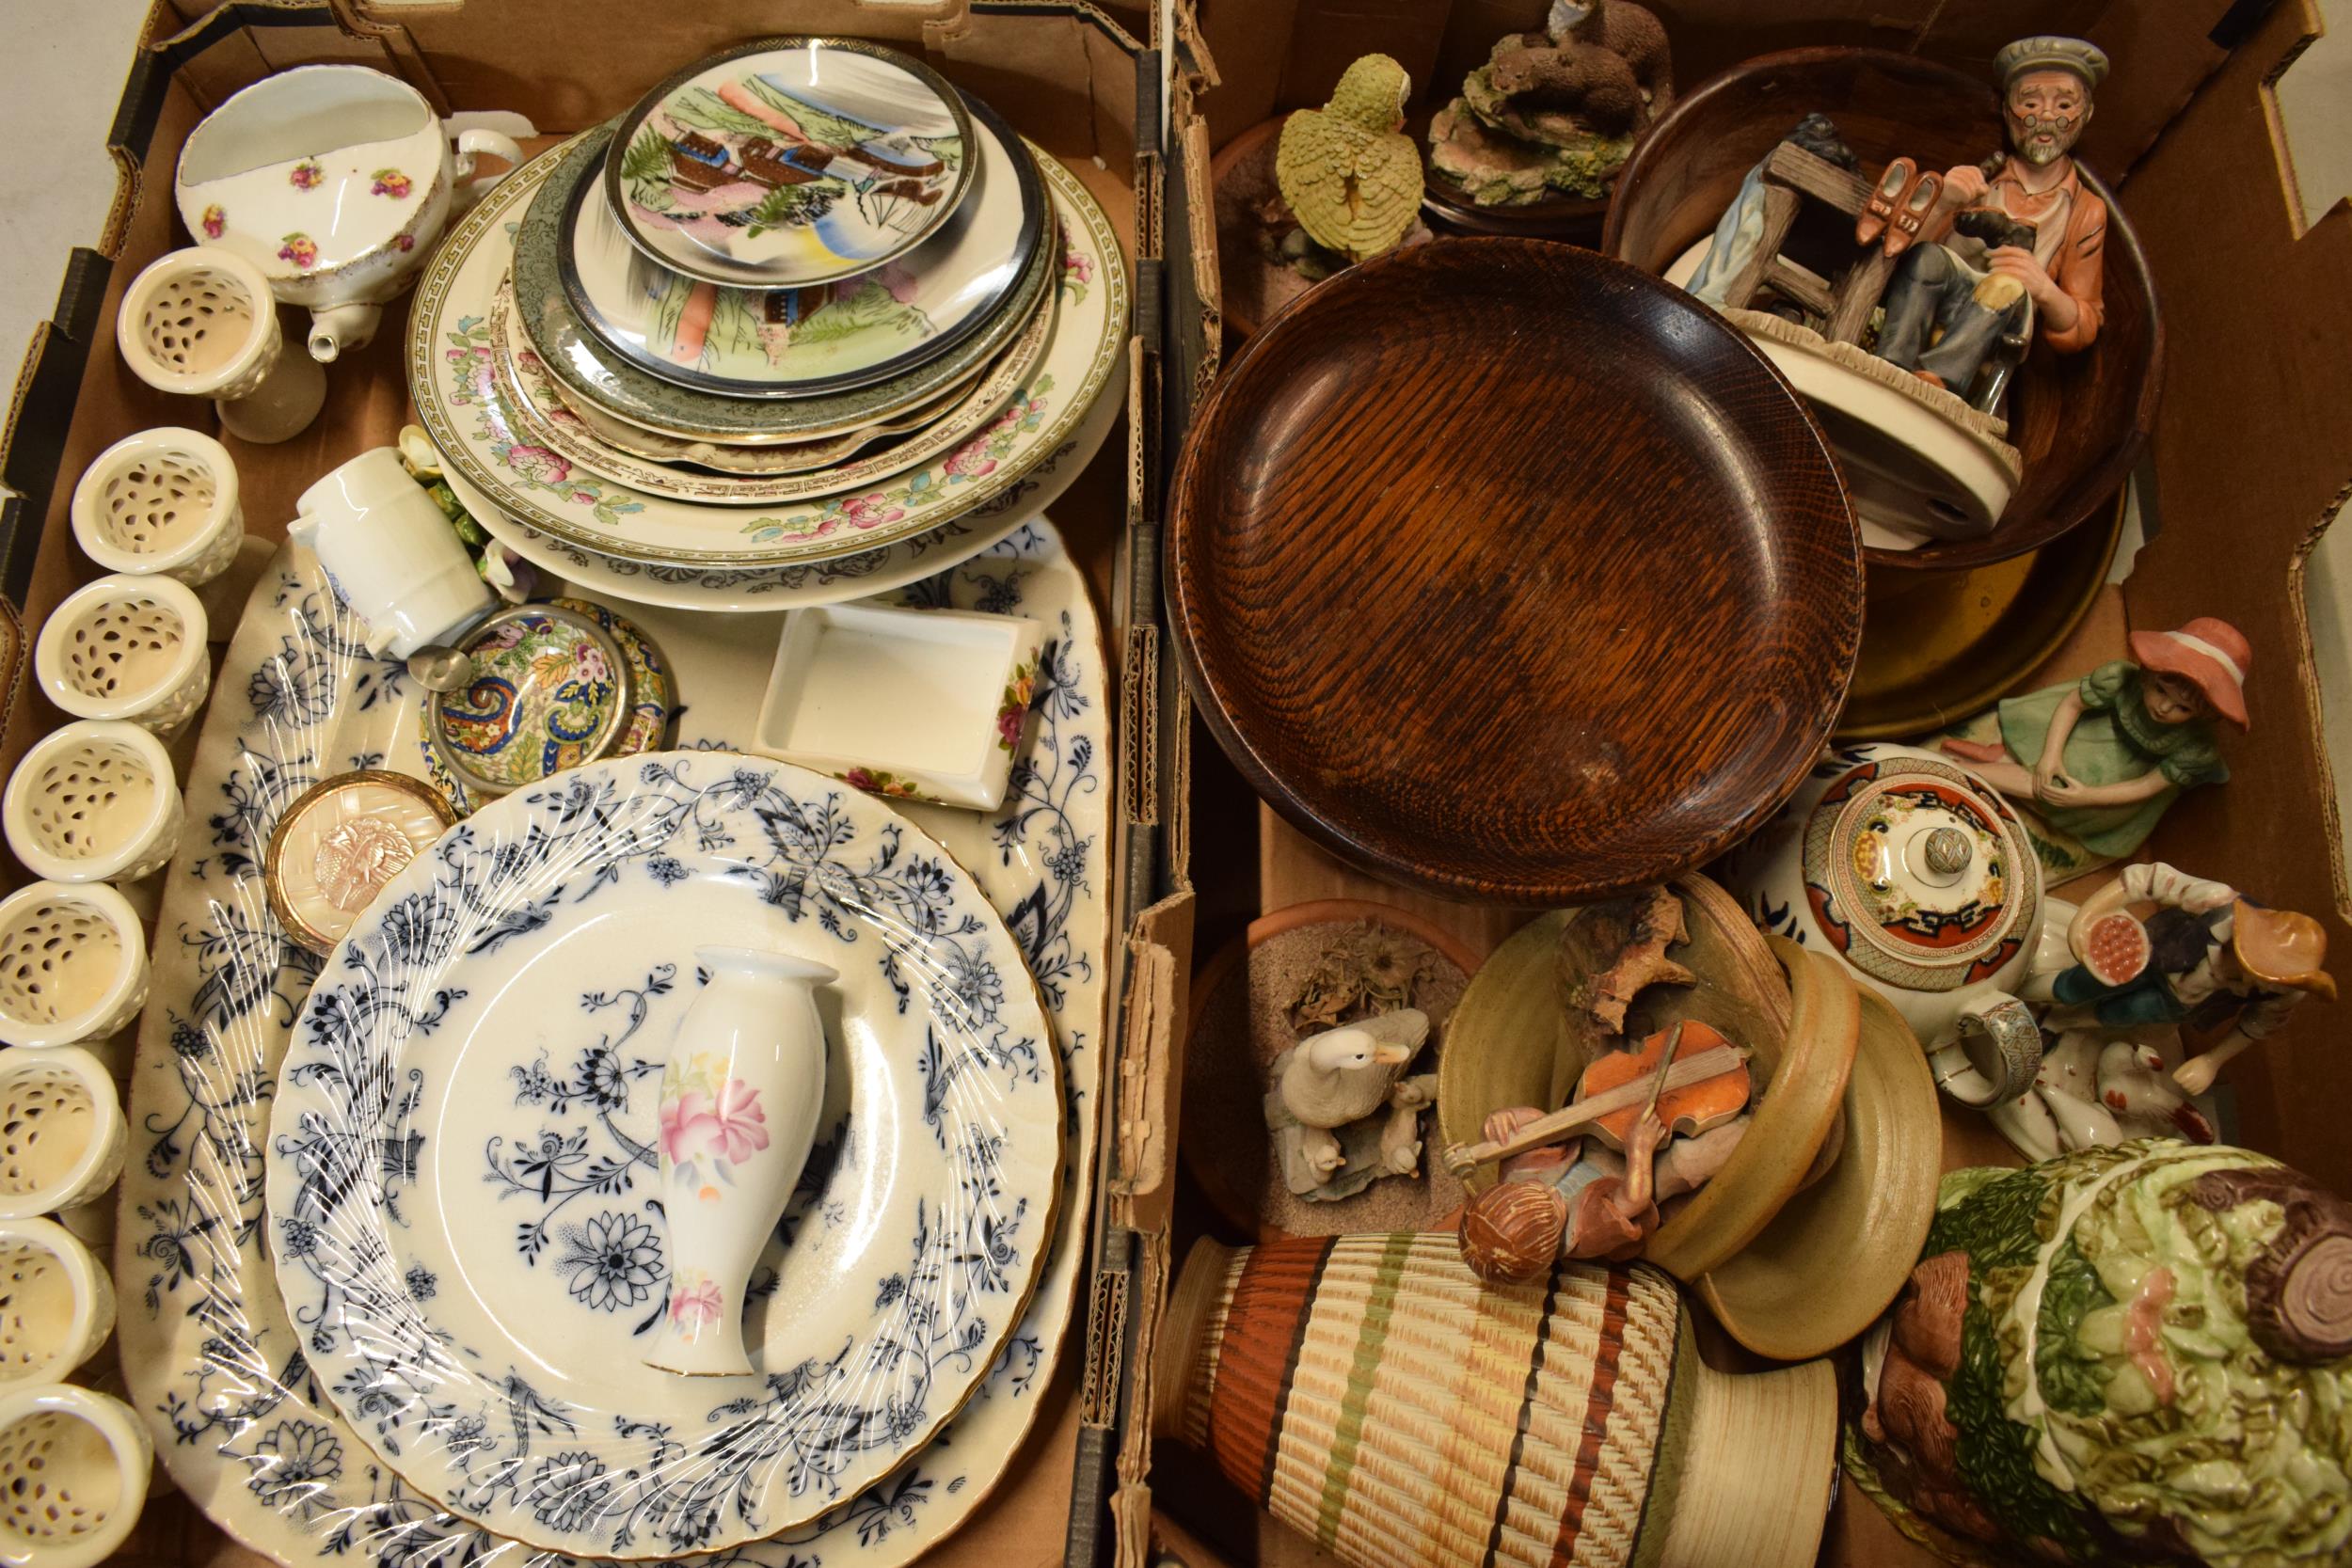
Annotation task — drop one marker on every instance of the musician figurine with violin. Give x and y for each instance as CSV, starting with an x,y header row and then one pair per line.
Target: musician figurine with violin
x,y
1648,1124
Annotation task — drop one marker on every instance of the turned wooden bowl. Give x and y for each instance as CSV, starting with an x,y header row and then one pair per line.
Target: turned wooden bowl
x,y
1507,571
2079,420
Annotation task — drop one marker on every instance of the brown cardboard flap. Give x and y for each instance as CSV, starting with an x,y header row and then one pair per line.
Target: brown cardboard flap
x,y
1151,1044
2254,459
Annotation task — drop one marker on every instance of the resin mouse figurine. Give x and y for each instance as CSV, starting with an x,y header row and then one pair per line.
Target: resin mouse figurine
x,y
2100,761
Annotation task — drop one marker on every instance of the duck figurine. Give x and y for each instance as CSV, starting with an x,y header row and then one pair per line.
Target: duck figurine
x,y
1342,1106
1349,174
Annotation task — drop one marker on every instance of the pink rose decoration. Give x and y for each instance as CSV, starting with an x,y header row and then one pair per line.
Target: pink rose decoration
x,y
732,1126
538,464
588,663
971,460
1008,725
300,250
389,181
696,1304
405,242
865,512
215,221
303,176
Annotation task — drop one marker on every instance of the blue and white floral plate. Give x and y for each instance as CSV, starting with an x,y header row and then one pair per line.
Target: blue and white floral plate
x,y
241,1419
463,1166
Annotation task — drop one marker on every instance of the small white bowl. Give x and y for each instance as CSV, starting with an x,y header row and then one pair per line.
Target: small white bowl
x,y
73,964
62,1136
94,801
74,1465
162,500
56,1305
128,648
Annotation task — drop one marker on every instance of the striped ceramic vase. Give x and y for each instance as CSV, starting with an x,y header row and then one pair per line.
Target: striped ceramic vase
x,y
1373,1393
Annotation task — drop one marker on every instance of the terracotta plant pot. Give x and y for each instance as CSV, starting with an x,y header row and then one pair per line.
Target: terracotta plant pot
x,y
1374,1394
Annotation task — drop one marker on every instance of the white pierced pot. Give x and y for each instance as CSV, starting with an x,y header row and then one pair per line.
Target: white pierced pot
x,y
62,1136
129,648
202,322
73,1471
56,1305
73,965
94,801
162,500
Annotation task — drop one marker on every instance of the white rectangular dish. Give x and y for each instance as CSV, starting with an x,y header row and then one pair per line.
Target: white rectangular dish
x,y
921,705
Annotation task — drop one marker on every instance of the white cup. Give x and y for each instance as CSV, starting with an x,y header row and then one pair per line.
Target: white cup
x,y
95,801
162,500
391,554
73,965
74,1465
127,648
60,1304
68,1137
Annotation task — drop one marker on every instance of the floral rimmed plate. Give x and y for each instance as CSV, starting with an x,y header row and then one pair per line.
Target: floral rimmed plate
x,y
453,379
791,457
209,1357
791,161
494,1027
795,343
594,370
539,415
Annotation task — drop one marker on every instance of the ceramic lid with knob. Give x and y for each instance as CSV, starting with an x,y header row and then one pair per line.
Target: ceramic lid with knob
x,y
1921,876
549,691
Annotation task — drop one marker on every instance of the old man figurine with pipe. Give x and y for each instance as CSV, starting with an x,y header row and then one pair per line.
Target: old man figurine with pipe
x,y
1978,292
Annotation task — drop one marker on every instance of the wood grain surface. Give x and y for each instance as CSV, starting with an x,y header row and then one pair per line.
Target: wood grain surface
x,y
2080,420
1508,572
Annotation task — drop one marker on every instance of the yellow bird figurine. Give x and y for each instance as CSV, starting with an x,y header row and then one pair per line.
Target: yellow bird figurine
x,y
1351,175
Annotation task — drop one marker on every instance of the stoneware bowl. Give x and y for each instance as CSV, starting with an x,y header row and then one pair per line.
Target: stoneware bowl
x,y
56,1304
2079,420
1510,573
202,322
62,1134
162,500
73,964
73,1471
129,648
95,801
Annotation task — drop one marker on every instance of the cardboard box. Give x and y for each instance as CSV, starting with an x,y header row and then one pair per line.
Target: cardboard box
x,y
2251,460
1083,81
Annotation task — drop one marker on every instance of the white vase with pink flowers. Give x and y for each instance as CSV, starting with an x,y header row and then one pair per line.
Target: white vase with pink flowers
x,y
739,1102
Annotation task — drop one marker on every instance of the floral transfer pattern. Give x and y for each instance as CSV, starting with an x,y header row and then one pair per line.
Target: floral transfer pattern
x,y
473,385
710,1124
212,1361
306,175
302,250
392,183
214,222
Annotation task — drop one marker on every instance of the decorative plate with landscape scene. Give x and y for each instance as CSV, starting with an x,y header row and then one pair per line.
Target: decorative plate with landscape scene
x,y
790,162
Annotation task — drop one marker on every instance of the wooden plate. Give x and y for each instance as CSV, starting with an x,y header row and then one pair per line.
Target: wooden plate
x,y
1507,571
1941,647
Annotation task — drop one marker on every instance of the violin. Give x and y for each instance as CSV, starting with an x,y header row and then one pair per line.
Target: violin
x,y
1689,1108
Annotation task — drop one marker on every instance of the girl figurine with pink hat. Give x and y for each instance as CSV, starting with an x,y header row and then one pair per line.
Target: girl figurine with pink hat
x,y
2099,761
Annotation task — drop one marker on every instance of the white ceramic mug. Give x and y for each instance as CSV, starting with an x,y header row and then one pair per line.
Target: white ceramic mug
x,y
202,322
60,1304
162,500
391,554
75,1465
335,181
128,648
96,801
73,964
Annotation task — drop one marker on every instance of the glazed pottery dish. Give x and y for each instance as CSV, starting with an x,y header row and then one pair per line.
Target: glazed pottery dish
x,y
215,1361
542,415
790,162
925,704
593,368
452,377
1508,572
555,933
825,338
335,181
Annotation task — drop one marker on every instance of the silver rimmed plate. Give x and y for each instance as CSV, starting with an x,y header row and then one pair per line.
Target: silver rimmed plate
x,y
826,338
461,1155
592,370
791,161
